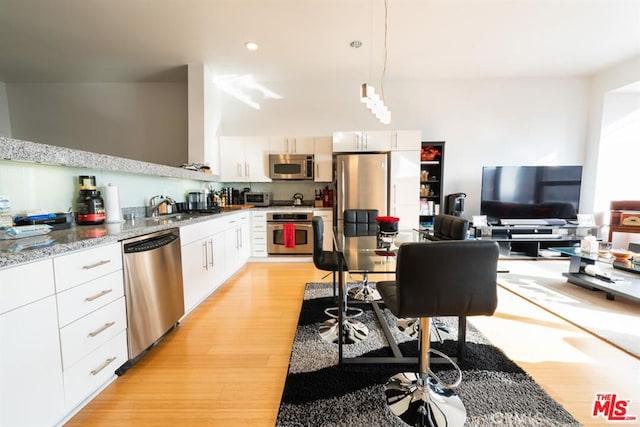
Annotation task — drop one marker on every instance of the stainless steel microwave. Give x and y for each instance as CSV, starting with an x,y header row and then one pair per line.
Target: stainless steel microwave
x,y
291,166
257,199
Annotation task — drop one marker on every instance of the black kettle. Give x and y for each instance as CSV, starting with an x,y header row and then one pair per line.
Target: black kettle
x,y
297,199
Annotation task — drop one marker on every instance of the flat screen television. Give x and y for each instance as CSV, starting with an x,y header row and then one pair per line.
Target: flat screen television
x,y
530,192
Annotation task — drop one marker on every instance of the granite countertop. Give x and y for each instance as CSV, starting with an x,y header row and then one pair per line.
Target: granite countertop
x,y
57,242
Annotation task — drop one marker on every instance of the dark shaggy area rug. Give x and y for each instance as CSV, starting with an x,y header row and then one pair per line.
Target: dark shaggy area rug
x,y
318,392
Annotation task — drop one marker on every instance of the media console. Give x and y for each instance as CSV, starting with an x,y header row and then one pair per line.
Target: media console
x,y
531,241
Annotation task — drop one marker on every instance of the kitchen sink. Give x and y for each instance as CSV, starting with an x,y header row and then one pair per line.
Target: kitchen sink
x,y
173,218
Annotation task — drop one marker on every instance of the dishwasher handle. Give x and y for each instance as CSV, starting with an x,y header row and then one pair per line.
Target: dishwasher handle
x,y
150,244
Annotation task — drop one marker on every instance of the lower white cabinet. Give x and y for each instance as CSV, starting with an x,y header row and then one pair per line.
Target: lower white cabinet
x,y
259,234
327,220
31,384
203,261
405,188
91,319
94,370
237,242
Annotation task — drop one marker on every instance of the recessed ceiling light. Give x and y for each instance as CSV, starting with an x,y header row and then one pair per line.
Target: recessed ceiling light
x,y
251,45
355,44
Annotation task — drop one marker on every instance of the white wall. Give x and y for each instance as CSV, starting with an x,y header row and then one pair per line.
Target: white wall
x,y
484,122
5,123
623,74
140,121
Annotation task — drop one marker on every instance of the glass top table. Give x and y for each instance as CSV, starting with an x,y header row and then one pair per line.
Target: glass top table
x,y
576,252
374,254
624,282
366,253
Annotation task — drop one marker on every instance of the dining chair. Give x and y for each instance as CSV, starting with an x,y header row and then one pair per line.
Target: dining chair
x,y
361,222
445,227
323,260
443,278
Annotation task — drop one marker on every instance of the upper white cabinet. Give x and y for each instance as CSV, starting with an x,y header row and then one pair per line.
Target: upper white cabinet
x,y
323,151
403,140
376,140
362,141
244,159
291,144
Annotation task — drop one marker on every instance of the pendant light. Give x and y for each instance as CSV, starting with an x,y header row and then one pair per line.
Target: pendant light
x,y
368,95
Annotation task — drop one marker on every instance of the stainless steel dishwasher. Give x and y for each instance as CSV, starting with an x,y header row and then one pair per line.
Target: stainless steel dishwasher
x,y
153,289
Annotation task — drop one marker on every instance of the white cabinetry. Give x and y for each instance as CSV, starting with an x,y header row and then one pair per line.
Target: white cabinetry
x,y
237,242
404,140
361,141
244,159
327,220
92,319
31,383
290,144
202,260
405,187
323,152
259,233
377,140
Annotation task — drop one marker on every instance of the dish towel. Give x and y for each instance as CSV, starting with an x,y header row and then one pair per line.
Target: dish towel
x,y
289,230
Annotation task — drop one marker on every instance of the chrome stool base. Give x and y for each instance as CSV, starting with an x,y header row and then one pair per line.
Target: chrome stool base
x,y
351,312
364,293
411,327
418,405
355,331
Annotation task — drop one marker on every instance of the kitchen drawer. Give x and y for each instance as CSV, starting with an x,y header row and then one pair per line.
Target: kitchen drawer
x,y
80,267
81,337
94,370
193,232
25,283
82,300
259,216
259,250
326,215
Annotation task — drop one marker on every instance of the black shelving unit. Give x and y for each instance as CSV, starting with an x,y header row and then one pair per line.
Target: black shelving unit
x,y
431,182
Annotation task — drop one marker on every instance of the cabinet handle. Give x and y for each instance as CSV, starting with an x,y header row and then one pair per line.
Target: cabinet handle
x,y
286,146
101,329
239,169
295,146
98,295
97,264
204,255
247,170
211,252
104,365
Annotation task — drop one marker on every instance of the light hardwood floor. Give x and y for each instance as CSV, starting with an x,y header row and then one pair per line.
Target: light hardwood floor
x,y
226,363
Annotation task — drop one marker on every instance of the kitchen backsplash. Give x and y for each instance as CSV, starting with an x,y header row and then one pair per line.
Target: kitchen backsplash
x,y
33,186
49,188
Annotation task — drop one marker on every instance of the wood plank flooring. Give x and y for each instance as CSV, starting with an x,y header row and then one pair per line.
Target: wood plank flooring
x,y
226,363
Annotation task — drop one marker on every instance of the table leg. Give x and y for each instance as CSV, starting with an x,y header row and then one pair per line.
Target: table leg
x,y
341,308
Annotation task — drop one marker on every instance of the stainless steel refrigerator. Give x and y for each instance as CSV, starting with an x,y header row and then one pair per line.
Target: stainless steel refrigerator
x,y
362,182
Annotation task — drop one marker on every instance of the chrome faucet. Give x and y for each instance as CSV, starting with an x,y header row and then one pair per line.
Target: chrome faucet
x,y
154,206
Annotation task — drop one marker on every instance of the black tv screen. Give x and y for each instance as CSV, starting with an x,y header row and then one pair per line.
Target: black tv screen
x,y
530,192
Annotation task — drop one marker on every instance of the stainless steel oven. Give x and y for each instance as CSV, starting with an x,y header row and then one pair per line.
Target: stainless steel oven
x,y
289,233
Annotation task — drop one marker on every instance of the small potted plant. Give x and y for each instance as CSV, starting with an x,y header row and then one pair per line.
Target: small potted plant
x,y
387,224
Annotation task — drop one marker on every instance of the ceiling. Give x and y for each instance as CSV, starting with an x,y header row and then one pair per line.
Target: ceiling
x,y
308,40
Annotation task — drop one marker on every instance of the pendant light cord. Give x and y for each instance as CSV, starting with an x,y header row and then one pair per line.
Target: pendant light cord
x,y
384,66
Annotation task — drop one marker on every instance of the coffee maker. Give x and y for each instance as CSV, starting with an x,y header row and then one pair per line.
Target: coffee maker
x,y
454,204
